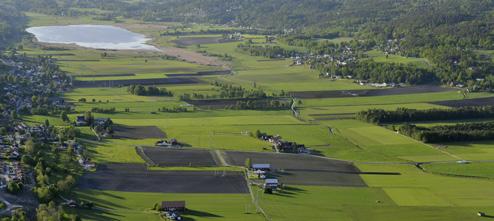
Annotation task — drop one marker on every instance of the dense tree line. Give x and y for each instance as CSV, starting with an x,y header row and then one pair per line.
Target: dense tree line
x,y
268,51
110,110
267,104
12,24
380,116
450,133
141,90
232,91
379,72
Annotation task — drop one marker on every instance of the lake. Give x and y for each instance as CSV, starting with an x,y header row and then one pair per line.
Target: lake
x,y
92,36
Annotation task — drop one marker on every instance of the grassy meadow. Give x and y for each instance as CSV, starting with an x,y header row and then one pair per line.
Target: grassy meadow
x,y
411,195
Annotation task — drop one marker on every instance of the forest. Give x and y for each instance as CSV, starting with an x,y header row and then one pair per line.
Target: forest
x,y
405,115
12,23
450,133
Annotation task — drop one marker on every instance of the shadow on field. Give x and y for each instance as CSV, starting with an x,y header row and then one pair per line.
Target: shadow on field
x,y
289,191
200,214
102,208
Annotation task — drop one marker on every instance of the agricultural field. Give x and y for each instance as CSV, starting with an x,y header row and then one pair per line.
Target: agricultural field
x,y
379,56
377,164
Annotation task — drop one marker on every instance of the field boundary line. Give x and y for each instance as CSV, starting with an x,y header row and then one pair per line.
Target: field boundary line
x,y
433,147
253,198
423,169
143,155
219,158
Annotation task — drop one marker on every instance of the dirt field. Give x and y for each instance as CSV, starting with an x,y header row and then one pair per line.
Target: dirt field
x,y
191,56
303,169
371,92
137,132
201,74
343,116
105,75
165,157
135,178
117,83
187,41
489,101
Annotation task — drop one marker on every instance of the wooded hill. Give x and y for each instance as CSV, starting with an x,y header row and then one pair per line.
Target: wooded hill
x,y
12,24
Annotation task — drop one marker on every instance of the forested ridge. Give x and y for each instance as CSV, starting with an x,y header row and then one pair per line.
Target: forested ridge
x,y
12,23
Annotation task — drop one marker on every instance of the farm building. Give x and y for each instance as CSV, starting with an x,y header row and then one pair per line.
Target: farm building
x,y
261,167
173,206
80,121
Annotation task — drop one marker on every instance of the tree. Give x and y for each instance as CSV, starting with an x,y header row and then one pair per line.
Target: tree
x,y
14,187
31,147
88,117
18,215
64,116
248,163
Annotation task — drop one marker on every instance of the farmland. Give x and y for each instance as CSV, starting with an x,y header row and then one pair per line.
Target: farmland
x,y
370,173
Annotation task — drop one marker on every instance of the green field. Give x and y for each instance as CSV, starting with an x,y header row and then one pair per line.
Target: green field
x,y
410,194
475,169
127,206
379,56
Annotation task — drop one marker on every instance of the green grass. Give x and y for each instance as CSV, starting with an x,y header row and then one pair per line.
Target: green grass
x,y
411,195
475,169
274,75
320,203
480,150
379,56
415,187
80,62
129,206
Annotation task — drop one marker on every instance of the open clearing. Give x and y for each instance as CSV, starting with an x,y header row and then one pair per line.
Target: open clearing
x,y
296,169
137,132
167,157
135,178
369,93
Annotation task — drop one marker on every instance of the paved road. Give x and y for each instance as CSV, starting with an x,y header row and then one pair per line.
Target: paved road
x,y
10,207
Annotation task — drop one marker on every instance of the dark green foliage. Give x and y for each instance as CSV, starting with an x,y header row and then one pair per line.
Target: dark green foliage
x,y
266,104
14,187
140,90
12,24
380,116
382,72
268,51
111,110
173,110
450,133
231,91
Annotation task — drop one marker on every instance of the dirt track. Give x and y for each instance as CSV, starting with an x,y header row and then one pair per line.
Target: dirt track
x,y
191,56
370,92
135,178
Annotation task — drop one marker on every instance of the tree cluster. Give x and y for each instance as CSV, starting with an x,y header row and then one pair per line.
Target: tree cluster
x,y
141,90
450,133
380,116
